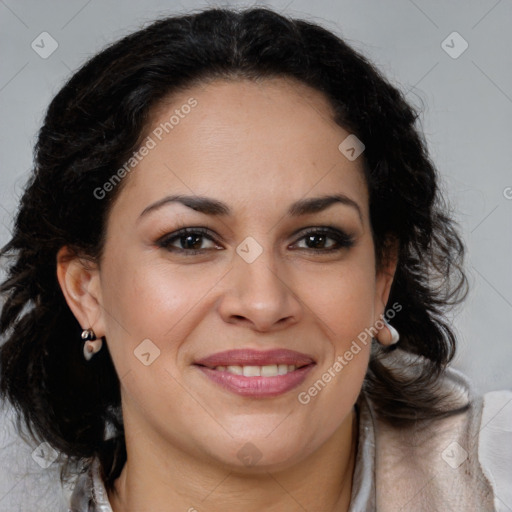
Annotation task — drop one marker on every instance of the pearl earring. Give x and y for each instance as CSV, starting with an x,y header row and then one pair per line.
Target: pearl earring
x,y
92,345
394,333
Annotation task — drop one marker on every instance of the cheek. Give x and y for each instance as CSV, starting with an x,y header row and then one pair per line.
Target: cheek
x,y
341,296
150,311
344,306
156,300
345,309
344,301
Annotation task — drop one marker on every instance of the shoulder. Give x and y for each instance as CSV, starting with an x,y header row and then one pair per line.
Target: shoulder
x,y
495,445
448,463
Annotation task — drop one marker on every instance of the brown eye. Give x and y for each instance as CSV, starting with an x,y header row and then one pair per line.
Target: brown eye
x,y
317,240
187,240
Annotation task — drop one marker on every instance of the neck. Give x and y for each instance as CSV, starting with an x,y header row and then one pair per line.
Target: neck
x,y
321,481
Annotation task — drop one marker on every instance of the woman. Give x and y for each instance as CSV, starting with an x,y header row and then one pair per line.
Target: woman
x,y
226,210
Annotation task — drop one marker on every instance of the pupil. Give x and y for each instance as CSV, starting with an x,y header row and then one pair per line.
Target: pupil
x,y
321,239
195,239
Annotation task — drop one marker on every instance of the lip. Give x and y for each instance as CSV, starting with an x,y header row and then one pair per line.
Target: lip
x,y
250,357
257,387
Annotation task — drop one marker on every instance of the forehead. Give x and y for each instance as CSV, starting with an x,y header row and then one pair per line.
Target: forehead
x,y
251,143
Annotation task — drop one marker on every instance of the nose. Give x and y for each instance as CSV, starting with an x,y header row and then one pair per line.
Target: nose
x,y
259,295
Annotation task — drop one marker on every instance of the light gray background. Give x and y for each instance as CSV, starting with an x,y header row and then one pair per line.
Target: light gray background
x,y
466,119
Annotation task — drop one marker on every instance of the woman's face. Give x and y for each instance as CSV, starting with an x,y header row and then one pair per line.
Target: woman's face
x,y
251,279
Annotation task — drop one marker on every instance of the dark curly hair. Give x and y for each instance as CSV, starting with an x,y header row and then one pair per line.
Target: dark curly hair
x,y
97,121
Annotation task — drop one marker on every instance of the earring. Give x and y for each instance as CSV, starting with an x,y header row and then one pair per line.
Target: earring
x,y
92,344
394,334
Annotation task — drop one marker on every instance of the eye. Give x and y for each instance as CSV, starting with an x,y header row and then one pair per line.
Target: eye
x,y
189,241
316,240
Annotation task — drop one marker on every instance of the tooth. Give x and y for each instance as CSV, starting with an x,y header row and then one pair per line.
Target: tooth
x,y
282,369
269,370
251,371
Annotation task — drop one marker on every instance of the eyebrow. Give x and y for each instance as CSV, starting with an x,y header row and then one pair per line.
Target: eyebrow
x,y
210,206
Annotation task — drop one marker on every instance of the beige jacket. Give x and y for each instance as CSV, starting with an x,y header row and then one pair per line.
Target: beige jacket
x,y
460,463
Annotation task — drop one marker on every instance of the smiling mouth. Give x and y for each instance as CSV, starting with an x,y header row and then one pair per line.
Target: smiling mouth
x,y
252,381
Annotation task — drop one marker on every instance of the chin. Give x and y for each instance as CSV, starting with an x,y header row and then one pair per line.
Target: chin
x,y
262,453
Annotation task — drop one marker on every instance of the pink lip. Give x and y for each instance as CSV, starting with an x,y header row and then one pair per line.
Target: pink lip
x,y
250,357
257,386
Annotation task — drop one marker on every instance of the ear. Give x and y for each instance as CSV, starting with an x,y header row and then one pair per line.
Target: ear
x,y
385,276
79,280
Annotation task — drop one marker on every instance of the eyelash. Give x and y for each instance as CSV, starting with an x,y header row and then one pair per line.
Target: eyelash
x,y
342,239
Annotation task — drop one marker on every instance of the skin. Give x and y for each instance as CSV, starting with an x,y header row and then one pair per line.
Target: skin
x,y
258,147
